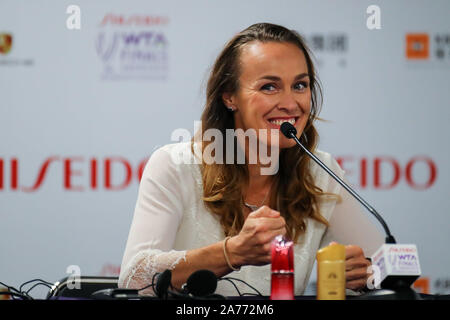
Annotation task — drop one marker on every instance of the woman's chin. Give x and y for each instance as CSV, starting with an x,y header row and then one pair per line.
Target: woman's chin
x,y
287,144
282,143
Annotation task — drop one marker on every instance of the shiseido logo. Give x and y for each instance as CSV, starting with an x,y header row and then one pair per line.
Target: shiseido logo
x,y
387,172
112,19
75,173
117,173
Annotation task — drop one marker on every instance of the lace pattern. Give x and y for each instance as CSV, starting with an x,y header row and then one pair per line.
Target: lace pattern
x,y
145,264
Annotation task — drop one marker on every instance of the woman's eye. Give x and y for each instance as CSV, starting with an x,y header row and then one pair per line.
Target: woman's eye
x,y
268,87
301,85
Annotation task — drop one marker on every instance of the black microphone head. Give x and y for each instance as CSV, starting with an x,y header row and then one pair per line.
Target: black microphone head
x,y
162,283
201,283
288,129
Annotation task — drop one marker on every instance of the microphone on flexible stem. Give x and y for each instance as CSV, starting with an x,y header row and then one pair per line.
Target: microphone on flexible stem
x,y
398,264
290,132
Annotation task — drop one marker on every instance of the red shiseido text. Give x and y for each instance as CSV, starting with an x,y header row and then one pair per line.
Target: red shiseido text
x,y
69,169
133,20
386,172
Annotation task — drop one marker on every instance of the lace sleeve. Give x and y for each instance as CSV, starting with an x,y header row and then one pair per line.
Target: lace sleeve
x,y
142,268
157,215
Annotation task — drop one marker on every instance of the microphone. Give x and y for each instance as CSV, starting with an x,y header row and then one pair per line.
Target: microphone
x,y
398,264
162,284
290,132
200,285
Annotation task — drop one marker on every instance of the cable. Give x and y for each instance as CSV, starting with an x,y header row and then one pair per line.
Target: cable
x,y
12,289
13,292
231,278
9,287
151,284
34,280
38,284
234,285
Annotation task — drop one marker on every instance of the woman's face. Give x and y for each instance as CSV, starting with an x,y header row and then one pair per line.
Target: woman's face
x,y
273,88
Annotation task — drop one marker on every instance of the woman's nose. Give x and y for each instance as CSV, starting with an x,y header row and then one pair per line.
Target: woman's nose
x,y
288,102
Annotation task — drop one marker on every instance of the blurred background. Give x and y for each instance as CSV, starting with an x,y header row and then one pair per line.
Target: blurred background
x,y
89,89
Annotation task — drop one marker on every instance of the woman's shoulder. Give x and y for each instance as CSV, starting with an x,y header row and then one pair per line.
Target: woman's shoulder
x,y
173,159
169,147
329,161
178,153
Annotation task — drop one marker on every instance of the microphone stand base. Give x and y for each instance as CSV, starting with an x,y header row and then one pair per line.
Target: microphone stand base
x,y
391,294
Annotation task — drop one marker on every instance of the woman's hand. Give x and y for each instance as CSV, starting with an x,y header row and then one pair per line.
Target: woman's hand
x,y
356,266
252,246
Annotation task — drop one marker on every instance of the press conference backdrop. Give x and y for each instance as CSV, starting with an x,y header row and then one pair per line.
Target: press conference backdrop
x,y
82,109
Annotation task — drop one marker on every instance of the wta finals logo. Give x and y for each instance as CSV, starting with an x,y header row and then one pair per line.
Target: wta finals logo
x,y
133,47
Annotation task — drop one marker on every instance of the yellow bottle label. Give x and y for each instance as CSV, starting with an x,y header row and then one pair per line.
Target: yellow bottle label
x,y
331,272
331,280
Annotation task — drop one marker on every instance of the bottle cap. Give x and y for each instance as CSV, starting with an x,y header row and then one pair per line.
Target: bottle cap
x,y
282,255
332,252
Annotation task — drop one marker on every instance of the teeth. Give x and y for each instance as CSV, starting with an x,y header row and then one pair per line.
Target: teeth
x,y
279,122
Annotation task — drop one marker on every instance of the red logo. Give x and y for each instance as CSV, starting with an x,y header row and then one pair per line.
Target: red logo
x,y
118,173
73,177
5,43
133,20
385,172
422,285
417,46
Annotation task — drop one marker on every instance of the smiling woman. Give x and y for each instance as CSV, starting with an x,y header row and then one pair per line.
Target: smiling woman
x,y
271,93
264,76
224,217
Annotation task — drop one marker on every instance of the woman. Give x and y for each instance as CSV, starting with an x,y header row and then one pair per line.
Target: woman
x,y
223,217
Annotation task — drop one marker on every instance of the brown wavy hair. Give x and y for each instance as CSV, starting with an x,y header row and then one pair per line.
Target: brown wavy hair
x,y
293,191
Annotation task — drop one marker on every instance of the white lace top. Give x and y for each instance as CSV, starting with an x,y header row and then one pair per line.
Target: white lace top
x,y
170,218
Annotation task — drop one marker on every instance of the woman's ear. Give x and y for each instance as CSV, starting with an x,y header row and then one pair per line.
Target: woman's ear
x,y
229,101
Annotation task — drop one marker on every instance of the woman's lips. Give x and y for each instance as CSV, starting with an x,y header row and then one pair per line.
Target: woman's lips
x,y
276,122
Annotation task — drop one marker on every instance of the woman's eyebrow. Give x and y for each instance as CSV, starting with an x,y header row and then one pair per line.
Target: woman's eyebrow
x,y
276,78
301,76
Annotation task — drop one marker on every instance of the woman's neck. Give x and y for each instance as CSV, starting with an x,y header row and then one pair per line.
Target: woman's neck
x,y
257,192
257,181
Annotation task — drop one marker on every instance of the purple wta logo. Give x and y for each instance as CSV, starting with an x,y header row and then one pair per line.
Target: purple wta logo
x,y
403,262
106,46
133,54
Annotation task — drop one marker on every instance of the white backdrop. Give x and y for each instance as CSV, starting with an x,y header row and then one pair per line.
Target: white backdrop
x,y
81,111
